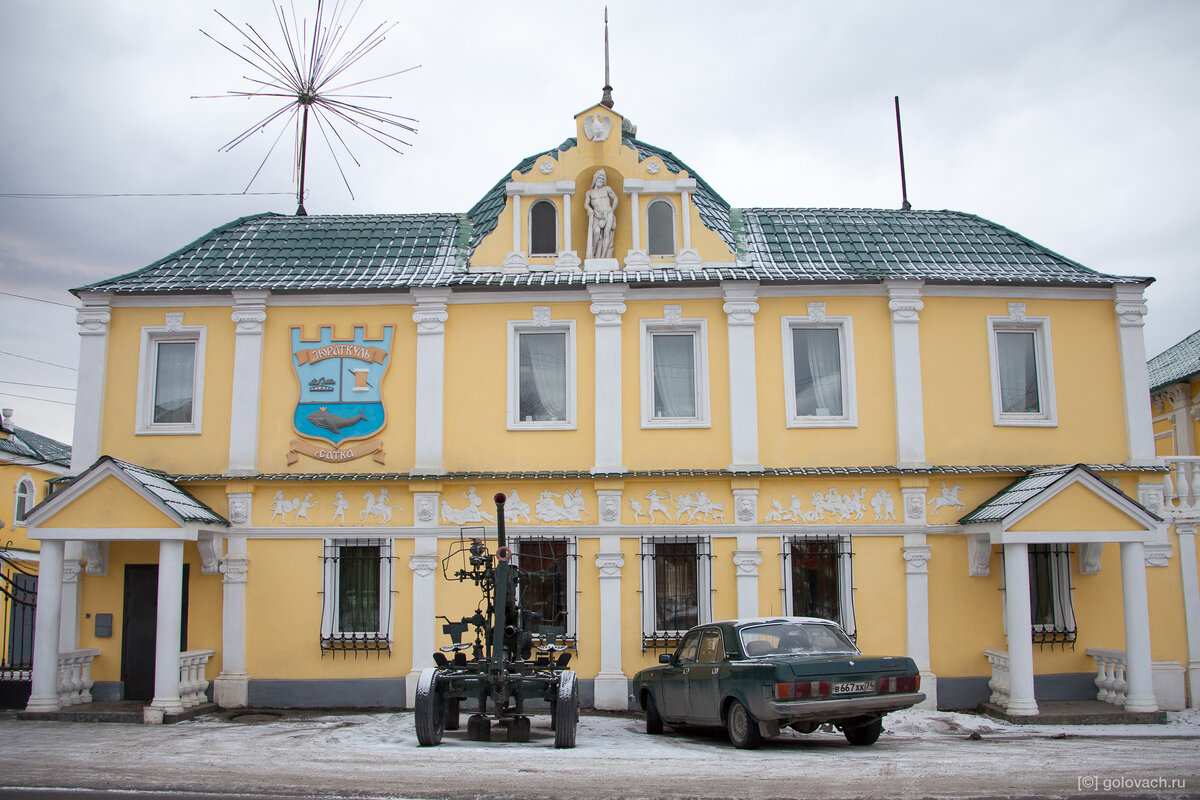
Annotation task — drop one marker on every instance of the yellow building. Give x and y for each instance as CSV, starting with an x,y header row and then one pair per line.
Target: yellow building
x,y
697,412
28,462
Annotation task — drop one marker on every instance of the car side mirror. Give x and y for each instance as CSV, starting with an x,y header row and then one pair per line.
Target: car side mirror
x,y
666,658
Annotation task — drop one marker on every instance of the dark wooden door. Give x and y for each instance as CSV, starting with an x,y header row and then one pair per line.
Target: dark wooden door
x,y
139,629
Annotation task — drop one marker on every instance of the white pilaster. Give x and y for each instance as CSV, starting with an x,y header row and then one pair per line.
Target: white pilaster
x,y
746,561
1135,375
611,685
1191,608
249,317
904,300
685,213
516,222
635,219
566,236
740,307
1021,700
608,304
423,563
1139,694
231,689
43,695
92,318
916,553
430,315
167,633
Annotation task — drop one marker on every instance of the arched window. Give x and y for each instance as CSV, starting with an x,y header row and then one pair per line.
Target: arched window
x,y
26,495
543,229
660,224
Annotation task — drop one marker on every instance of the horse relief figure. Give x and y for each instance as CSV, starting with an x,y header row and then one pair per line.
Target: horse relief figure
x,y
949,498
378,507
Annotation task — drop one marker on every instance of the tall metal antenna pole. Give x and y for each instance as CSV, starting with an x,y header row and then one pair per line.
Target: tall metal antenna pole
x,y
905,205
606,100
300,212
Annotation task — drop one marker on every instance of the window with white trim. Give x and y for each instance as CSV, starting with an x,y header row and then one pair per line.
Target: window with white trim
x,y
546,585
660,228
1022,371
356,608
1050,610
674,356
818,579
818,366
25,498
171,379
541,373
543,229
676,587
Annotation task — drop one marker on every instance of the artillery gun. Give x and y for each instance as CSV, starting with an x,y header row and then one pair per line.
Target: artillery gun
x,y
495,672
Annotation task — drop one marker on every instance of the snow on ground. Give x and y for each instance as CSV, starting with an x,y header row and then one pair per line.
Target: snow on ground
x,y
921,754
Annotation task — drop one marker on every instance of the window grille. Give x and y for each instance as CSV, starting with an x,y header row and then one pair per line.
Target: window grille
x,y
1050,609
818,579
18,601
677,588
547,586
356,607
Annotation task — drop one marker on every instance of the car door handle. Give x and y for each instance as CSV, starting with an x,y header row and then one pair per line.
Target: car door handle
x,y
715,670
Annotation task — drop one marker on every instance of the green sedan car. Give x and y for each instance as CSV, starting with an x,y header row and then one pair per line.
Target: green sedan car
x,y
757,676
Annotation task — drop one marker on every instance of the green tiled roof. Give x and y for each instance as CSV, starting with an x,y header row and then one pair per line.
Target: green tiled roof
x,y
1176,363
483,215
29,445
1021,491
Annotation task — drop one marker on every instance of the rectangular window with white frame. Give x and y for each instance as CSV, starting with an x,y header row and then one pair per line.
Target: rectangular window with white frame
x,y
674,364
818,579
1051,612
1022,371
356,609
547,586
541,373
676,587
818,366
171,378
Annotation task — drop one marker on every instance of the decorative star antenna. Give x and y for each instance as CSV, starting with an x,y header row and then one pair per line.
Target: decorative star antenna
x,y
303,74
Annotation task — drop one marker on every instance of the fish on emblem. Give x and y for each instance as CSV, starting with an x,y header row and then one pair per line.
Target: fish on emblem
x,y
332,422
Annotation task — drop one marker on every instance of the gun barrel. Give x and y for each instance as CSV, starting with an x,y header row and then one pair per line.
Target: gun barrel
x,y
500,498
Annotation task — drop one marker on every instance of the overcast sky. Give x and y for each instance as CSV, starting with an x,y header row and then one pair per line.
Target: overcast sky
x,y
1076,124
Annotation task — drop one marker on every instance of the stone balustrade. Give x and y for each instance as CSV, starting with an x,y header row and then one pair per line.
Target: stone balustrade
x,y
1182,485
999,682
192,683
75,676
1110,675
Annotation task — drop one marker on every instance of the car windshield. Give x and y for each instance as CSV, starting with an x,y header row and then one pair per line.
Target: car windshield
x,y
794,638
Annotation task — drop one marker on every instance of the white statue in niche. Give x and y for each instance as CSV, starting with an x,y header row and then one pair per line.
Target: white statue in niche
x,y
948,498
883,505
600,203
379,507
516,509
472,513
340,504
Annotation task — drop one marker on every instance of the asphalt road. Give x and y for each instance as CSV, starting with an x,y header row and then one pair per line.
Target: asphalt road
x,y
376,755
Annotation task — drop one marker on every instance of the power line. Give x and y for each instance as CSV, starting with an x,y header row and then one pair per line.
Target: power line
x,y
41,386
37,299
40,399
104,195
38,360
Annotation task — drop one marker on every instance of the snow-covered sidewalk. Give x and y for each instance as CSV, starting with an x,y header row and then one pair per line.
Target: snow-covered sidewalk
x,y
921,754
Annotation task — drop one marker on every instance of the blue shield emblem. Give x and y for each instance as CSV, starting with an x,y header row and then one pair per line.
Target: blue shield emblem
x,y
340,385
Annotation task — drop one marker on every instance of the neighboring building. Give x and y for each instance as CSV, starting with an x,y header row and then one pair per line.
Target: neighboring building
x,y
697,412
28,462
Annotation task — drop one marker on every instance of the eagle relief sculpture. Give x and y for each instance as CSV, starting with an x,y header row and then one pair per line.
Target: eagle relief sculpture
x,y
596,127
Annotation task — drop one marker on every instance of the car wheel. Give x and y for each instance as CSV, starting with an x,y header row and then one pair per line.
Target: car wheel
x,y
742,727
865,735
654,721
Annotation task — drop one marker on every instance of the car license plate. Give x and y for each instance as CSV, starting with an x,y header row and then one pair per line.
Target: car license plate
x,y
853,687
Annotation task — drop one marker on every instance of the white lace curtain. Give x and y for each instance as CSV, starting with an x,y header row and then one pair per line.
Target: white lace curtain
x,y
543,389
817,358
1017,357
674,375
175,370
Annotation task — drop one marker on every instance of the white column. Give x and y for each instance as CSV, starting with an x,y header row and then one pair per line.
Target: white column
x,y
608,304
611,685
904,300
250,317
43,695
635,218
685,211
167,633
430,316
68,624
93,319
566,238
231,689
916,553
1135,375
516,204
1191,608
1139,694
740,307
1021,702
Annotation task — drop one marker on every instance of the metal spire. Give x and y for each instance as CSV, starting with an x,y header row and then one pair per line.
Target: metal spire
x,y
606,100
